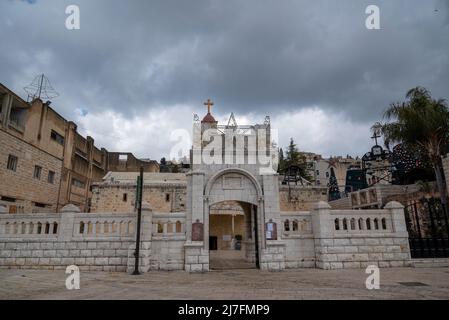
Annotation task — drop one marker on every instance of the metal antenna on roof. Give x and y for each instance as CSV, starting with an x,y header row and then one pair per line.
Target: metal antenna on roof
x,y
40,88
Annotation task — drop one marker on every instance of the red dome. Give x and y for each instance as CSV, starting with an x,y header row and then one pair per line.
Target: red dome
x,y
209,119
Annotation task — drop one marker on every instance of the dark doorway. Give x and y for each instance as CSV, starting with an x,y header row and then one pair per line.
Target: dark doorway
x,y
213,243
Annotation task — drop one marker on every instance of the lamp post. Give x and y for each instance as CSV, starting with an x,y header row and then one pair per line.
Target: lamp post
x,y
139,192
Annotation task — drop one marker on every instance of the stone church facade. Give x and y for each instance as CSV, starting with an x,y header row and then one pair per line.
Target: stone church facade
x,y
230,211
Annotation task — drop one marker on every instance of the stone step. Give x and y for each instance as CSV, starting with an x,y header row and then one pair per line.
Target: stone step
x,y
431,263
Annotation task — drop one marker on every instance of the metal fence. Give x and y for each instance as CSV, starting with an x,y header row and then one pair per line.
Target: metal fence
x,y
428,227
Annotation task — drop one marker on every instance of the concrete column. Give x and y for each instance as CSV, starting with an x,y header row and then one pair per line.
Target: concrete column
x,y
66,227
147,222
323,231
397,217
321,221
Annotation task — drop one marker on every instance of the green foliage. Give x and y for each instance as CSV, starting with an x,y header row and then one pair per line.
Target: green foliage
x,y
293,157
420,122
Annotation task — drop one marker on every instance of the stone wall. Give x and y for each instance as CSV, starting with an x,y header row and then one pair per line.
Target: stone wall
x,y
121,197
92,241
322,238
358,238
300,198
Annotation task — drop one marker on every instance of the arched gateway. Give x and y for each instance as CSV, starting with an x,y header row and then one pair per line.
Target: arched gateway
x,y
232,206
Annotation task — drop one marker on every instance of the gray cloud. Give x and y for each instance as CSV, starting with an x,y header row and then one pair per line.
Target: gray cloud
x,y
261,56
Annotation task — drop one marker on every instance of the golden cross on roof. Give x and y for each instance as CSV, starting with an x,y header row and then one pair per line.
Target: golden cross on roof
x,y
209,104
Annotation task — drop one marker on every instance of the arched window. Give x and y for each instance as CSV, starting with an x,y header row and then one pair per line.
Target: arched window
x,y
81,227
55,228
178,227
39,228
114,227
295,225
384,223
31,228
15,228
47,228
345,224
90,226
287,225
337,224
368,224
23,228
361,224
376,224
352,224
7,228
169,227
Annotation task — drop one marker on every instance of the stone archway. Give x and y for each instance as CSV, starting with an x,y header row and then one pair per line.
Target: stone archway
x,y
239,187
233,184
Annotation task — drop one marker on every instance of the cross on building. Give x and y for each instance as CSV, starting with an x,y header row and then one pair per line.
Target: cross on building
x,y
209,105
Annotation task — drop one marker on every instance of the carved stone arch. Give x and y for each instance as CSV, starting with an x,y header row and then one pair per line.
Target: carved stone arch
x,y
234,191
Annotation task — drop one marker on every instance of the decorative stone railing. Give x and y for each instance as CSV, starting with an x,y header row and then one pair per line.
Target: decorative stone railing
x,y
168,224
296,223
104,225
359,238
362,221
23,226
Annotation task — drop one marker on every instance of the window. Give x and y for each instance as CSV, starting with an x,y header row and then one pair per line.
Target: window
x,y
167,197
12,162
39,205
327,174
51,177
57,137
78,183
125,197
37,172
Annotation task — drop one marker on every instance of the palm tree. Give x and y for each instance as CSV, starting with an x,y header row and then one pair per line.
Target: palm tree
x,y
420,122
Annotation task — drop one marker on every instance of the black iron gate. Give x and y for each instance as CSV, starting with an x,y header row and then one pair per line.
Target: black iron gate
x,y
428,228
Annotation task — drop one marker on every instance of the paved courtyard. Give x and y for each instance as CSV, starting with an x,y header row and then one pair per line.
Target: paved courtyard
x,y
404,283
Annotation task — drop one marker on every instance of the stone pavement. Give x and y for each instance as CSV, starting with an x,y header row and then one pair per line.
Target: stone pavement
x,y
423,283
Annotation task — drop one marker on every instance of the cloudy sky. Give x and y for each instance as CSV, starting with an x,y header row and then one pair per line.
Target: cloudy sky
x,y
137,70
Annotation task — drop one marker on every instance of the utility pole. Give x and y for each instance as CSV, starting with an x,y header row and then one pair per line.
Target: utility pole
x,y
139,191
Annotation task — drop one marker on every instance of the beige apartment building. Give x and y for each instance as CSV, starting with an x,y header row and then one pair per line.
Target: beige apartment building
x,y
45,163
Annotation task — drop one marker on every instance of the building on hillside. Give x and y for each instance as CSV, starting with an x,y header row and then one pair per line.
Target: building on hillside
x,y
321,169
44,162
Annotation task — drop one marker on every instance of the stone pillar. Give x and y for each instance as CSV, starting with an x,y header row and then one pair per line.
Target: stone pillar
x,y
66,224
323,233
399,227
397,218
196,257
272,256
